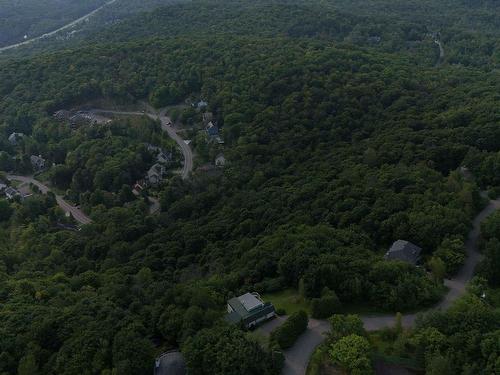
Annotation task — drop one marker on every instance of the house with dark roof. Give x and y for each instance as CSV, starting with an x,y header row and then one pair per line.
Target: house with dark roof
x,y
249,309
212,129
404,251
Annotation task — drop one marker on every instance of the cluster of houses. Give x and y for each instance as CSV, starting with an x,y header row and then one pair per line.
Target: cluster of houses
x,y
37,161
211,129
213,134
157,172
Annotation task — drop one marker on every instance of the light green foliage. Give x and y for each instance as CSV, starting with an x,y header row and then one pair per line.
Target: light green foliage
x,y
345,325
352,352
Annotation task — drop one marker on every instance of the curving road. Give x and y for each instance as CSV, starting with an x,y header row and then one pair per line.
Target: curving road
x,y
52,33
297,358
187,153
441,51
75,212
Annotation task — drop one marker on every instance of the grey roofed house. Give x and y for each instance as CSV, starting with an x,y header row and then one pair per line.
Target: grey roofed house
x,y
155,174
404,251
220,160
15,137
201,104
11,193
249,309
212,129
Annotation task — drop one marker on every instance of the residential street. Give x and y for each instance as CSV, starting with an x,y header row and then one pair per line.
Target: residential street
x,y
165,120
75,212
297,358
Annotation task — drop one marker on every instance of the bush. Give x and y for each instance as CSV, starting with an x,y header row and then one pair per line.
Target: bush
x,y
281,312
325,306
286,335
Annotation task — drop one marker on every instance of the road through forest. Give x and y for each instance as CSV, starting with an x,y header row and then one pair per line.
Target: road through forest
x,y
52,33
297,358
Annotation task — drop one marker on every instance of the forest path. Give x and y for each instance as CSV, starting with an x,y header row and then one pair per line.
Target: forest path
x,y
297,358
52,33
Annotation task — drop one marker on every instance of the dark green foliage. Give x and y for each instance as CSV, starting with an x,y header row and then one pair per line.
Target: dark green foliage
x,y
286,334
325,306
338,146
226,351
5,210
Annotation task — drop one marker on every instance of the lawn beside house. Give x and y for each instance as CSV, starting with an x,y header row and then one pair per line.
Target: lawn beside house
x,y
289,300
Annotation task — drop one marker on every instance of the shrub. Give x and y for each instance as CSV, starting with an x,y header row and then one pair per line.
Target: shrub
x,y
286,335
281,312
325,306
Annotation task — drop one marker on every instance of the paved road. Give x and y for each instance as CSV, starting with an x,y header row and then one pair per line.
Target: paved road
x,y
75,212
441,51
52,33
297,358
170,363
187,167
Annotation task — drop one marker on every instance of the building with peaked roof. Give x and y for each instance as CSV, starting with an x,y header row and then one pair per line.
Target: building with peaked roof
x,y
201,104
155,174
212,129
11,193
249,309
14,138
220,160
404,251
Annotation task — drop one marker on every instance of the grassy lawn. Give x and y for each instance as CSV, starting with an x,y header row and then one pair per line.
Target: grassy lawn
x,y
258,337
289,300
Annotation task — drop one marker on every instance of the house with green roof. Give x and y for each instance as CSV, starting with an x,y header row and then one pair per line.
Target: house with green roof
x,y
249,309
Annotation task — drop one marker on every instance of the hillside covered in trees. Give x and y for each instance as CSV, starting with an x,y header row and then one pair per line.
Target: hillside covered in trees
x,y
343,133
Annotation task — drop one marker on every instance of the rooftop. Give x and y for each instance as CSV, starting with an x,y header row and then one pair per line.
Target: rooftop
x,y
404,251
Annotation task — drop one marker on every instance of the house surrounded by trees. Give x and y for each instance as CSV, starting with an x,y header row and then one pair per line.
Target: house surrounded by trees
x,y
404,251
249,309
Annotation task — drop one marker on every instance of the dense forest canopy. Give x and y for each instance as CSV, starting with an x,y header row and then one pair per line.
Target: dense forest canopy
x,y
342,132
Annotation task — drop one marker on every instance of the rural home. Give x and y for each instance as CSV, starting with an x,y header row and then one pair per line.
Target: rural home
x,y
249,309
404,251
